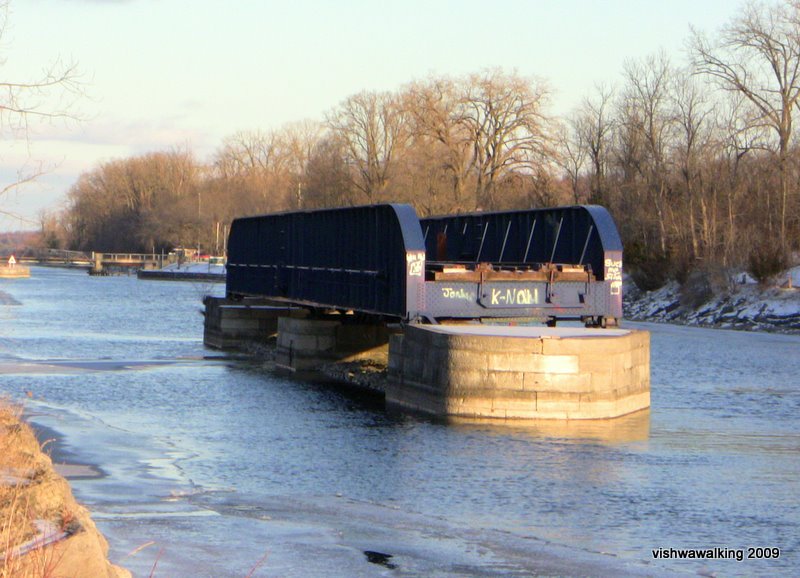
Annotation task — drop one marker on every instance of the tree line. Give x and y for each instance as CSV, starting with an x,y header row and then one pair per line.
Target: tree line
x,y
697,162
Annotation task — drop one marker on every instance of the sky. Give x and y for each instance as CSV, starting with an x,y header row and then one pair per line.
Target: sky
x,y
164,74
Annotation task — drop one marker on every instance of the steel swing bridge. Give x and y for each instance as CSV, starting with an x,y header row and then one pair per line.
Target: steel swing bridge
x,y
551,264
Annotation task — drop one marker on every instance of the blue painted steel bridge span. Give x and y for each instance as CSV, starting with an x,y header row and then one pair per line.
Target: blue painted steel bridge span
x,y
382,260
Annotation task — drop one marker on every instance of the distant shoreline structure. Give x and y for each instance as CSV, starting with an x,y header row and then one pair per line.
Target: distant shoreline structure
x,y
200,271
14,271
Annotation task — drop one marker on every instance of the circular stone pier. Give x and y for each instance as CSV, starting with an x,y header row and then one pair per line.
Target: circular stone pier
x,y
519,372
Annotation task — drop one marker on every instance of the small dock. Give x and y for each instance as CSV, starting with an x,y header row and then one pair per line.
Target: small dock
x,y
207,271
11,269
15,272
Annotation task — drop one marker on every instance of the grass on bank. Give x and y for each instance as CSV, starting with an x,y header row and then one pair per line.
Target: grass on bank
x,y
32,505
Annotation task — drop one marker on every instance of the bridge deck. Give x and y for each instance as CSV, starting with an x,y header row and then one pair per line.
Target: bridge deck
x,y
562,263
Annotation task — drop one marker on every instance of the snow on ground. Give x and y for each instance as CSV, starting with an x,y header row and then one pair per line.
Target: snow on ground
x,y
744,305
794,275
195,267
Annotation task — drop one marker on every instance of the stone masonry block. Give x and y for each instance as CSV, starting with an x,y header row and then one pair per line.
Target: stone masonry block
x,y
283,339
300,342
324,344
557,364
553,382
472,407
641,356
523,414
463,380
268,325
601,382
418,334
533,363
395,362
595,409
411,348
610,394
413,367
602,344
599,363
507,344
460,359
361,336
238,324
555,407
640,339
505,380
558,396
307,326
431,373
517,402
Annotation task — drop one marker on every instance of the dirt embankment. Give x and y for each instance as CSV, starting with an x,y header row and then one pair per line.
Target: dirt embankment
x,y
44,532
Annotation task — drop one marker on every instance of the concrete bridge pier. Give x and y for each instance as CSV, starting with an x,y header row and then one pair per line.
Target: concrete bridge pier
x,y
484,371
457,371
304,345
232,324
97,265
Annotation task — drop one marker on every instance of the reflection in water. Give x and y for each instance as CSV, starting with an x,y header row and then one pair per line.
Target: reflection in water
x,y
633,427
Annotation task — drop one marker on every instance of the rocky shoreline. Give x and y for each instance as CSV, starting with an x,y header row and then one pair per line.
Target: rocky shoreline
x,y
743,306
43,530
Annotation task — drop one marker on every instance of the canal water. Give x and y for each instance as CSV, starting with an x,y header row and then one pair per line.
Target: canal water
x,y
213,466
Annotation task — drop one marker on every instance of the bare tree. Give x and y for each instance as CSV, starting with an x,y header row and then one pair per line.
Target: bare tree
x,y
758,56
436,112
736,140
140,203
693,134
573,154
50,96
326,178
373,128
594,126
251,151
505,114
300,138
648,121
260,163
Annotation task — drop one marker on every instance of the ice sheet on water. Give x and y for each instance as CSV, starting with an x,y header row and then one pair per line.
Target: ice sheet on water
x,y
338,536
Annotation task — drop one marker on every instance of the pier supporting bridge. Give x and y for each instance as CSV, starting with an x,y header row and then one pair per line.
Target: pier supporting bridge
x,y
342,283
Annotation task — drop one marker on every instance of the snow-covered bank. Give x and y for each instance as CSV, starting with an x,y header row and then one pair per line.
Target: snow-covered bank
x,y
740,305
